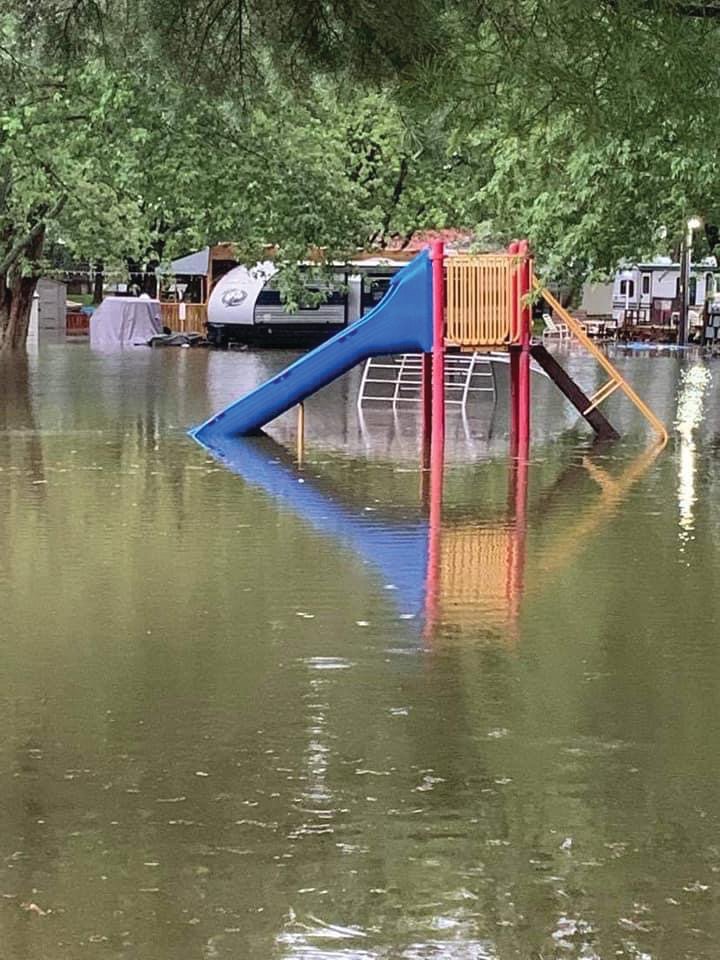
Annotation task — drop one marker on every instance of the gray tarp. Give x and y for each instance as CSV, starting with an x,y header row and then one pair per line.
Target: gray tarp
x,y
197,263
124,321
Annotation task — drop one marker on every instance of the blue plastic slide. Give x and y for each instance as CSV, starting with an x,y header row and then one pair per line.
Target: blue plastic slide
x,y
400,323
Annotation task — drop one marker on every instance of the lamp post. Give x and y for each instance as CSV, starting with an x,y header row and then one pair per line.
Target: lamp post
x,y
693,224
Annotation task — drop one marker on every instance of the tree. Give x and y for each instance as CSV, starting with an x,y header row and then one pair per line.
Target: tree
x,y
601,138
334,124
119,167
584,127
66,166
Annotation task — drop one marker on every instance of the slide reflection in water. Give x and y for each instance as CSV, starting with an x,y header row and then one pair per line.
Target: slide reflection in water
x,y
451,576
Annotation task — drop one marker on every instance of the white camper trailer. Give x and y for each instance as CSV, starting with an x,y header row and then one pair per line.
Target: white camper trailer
x,y
245,305
648,294
209,291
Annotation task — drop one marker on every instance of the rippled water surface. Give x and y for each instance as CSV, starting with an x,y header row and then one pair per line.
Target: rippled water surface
x,y
256,710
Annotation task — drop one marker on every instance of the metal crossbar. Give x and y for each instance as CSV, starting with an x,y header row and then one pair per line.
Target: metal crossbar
x,y
616,381
397,380
602,394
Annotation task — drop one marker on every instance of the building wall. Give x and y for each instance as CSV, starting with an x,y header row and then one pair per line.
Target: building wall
x,y
597,299
51,297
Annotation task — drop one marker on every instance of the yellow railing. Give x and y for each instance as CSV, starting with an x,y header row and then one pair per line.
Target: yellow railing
x,y
480,311
193,322
616,381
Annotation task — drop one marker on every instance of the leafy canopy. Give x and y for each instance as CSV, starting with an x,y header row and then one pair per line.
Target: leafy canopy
x,y
132,128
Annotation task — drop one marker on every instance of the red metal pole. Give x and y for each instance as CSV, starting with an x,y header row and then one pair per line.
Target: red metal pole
x,y
437,448
524,364
437,256
514,355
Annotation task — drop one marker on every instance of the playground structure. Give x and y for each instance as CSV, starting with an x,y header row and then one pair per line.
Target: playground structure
x,y
472,303
446,574
397,379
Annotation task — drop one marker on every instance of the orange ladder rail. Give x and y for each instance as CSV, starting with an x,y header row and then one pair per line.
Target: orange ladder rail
x,y
616,381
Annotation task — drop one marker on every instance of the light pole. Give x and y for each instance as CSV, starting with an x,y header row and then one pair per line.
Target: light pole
x,y
693,224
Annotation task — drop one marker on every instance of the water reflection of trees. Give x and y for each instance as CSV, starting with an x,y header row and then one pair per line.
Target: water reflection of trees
x,y
17,422
21,455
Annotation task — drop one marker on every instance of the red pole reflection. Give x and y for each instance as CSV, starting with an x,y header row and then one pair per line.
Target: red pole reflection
x,y
517,546
434,560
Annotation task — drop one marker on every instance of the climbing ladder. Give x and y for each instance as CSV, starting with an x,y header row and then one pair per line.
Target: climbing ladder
x,y
398,379
616,380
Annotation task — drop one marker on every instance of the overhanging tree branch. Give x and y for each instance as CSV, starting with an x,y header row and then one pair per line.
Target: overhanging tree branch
x,y
24,242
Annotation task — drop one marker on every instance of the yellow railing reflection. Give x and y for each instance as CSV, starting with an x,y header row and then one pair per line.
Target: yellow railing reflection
x,y
474,576
613,491
480,581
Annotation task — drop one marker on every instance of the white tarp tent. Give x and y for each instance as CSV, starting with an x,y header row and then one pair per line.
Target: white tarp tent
x,y
125,321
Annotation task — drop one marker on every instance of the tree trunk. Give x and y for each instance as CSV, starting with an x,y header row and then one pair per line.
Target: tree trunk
x,y
16,297
150,281
136,275
15,306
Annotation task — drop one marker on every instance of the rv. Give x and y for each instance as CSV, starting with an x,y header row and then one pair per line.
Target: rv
x,y
239,304
648,294
245,306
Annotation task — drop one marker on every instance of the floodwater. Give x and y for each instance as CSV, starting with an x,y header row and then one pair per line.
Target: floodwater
x,y
257,710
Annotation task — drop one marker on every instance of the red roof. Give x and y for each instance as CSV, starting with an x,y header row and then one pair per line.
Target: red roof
x,y
421,238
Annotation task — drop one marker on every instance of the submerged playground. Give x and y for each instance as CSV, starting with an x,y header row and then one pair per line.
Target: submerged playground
x,y
288,702
437,309
463,302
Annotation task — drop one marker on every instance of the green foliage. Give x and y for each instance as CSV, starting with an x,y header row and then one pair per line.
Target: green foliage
x,y
131,129
66,164
117,165
591,129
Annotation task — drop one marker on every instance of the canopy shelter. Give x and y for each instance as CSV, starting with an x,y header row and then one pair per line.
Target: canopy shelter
x,y
194,264
186,284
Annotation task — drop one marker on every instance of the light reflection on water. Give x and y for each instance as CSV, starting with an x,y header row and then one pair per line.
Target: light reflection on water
x,y
690,415
227,731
